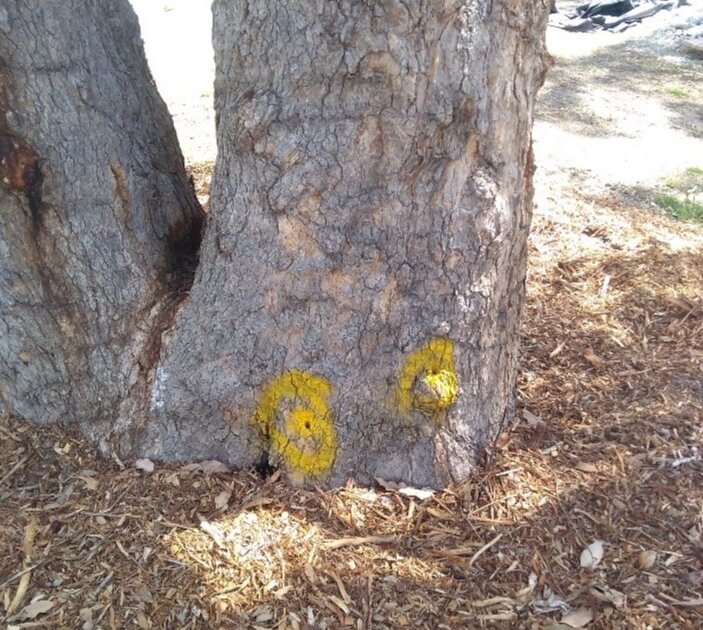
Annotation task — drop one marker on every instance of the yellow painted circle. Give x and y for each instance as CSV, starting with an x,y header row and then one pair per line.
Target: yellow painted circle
x,y
428,381
294,414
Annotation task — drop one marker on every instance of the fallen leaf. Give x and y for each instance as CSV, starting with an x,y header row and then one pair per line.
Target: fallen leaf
x,y
144,464
549,604
90,483
85,614
592,555
263,615
594,359
214,532
310,573
417,493
33,610
143,622
387,485
144,594
173,480
282,592
531,419
208,467
61,498
647,559
401,488
578,618
604,593
586,467
222,499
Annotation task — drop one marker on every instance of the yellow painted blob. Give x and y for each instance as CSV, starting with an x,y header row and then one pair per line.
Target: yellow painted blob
x,y
428,381
294,414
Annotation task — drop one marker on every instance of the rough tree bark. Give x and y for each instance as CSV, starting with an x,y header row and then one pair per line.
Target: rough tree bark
x,y
356,306
96,214
366,250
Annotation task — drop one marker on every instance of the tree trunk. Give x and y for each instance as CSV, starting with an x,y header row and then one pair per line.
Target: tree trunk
x,y
96,215
363,269
356,307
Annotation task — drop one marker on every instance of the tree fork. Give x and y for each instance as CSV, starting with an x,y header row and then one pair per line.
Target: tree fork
x,y
356,303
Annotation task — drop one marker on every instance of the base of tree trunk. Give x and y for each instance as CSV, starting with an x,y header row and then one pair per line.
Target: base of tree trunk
x,y
356,304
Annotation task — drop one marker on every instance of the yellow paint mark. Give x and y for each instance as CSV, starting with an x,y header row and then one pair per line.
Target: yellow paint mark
x,y
428,381
294,414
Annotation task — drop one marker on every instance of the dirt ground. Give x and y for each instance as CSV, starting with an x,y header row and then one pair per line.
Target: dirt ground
x,y
604,458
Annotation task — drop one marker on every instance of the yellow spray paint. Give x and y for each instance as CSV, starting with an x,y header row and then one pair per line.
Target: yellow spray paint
x,y
428,381
294,414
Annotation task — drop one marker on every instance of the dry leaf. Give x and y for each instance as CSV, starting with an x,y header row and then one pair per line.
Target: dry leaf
x,y
604,593
90,483
263,614
310,573
61,498
586,467
144,594
86,616
594,359
592,555
214,532
143,622
531,419
33,610
578,618
417,493
208,467
387,485
144,464
222,499
549,603
647,559
282,592
173,480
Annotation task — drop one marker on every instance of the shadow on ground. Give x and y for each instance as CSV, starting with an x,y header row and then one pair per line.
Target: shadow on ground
x,y
606,447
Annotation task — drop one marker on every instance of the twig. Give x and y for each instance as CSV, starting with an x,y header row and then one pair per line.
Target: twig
x,y
11,579
30,531
14,469
359,540
485,548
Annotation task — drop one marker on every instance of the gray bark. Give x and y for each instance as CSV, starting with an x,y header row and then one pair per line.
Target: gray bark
x,y
356,306
96,214
372,194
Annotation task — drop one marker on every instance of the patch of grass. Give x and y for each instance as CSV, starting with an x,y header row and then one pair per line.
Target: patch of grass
x,y
675,91
685,209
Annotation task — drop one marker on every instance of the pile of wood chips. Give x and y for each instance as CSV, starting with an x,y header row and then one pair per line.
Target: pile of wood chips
x,y
587,513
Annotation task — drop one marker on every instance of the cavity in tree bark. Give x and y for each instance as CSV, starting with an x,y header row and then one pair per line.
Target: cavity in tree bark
x,y
355,310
